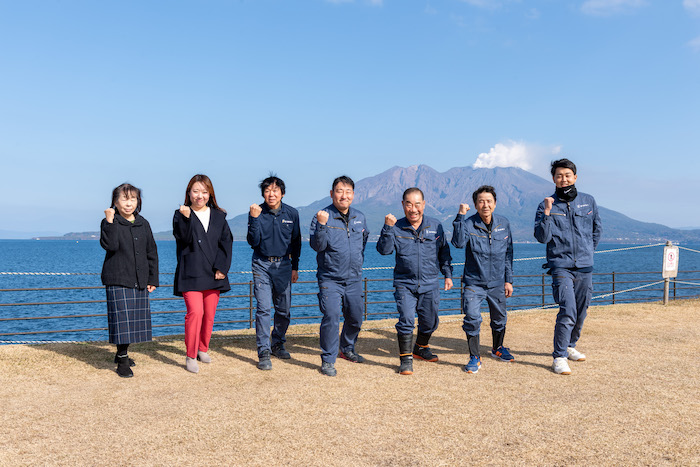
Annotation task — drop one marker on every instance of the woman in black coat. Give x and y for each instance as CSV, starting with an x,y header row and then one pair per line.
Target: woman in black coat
x,y
204,245
129,273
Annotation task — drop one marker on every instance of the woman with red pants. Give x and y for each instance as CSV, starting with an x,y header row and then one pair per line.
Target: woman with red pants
x,y
204,244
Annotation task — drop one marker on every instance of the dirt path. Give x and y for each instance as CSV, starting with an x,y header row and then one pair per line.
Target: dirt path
x,y
635,400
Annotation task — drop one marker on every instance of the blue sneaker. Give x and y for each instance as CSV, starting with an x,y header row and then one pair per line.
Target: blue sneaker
x,y
503,354
473,365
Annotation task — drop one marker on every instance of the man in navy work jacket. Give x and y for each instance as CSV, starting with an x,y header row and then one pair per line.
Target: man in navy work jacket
x,y
274,235
422,253
568,222
339,234
488,272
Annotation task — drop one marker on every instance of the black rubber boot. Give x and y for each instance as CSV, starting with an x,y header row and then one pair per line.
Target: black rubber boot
x,y
123,368
473,342
405,342
497,338
421,350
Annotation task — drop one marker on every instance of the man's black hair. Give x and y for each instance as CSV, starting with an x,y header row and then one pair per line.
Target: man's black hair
x,y
563,163
414,189
483,189
269,181
345,180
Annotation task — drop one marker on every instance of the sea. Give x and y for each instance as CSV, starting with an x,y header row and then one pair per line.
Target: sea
x,y
50,290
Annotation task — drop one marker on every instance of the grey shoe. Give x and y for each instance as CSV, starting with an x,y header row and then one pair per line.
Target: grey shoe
x,y
191,365
328,369
264,362
203,357
279,351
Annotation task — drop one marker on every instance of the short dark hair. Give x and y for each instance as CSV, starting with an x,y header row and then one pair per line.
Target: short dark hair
x,y
344,179
563,163
273,179
413,190
126,189
483,189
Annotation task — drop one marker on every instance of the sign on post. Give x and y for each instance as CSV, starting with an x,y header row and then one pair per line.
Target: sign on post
x,y
670,268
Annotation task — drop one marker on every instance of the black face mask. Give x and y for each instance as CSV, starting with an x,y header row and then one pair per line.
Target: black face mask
x,y
567,194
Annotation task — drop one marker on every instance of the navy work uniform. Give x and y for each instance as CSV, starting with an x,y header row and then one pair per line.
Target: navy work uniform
x,y
421,255
488,266
571,231
340,246
276,241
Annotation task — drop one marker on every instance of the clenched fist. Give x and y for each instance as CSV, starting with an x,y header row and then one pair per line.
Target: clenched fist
x,y
255,210
390,219
463,208
548,203
185,211
109,215
322,217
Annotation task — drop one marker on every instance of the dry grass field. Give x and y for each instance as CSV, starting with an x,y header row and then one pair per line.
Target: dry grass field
x,y
635,401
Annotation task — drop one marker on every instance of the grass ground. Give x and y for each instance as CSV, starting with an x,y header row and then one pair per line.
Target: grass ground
x,y
635,401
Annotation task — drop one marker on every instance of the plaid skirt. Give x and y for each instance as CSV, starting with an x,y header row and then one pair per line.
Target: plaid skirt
x,y
128,315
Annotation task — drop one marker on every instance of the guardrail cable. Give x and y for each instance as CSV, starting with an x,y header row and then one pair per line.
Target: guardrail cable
x,y
378,268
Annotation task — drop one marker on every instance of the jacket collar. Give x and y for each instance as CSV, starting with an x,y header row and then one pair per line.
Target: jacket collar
x,y
138,220
352,213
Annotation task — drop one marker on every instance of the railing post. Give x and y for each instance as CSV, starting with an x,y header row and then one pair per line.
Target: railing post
x,y
674,289
667,281
365,280
543,285
613,288
250,304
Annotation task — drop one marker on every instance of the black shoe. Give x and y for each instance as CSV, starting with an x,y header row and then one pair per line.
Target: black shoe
x,y
123,368
279,351
264,362
328,369
424,353
131,362
352,356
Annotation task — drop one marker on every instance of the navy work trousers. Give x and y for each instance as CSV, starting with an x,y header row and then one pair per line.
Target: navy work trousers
x,y
334,299
472,297
272,285
572,291
409,303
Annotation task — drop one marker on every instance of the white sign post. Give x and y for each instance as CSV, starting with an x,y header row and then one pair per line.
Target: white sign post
x,y
670,267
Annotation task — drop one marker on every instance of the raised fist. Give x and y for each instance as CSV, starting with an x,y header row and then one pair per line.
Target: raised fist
x,y
463,208
390,219
109,215
548,203
185,211
322,217
255,210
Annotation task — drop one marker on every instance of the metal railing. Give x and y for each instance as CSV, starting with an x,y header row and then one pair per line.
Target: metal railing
x,y
530,292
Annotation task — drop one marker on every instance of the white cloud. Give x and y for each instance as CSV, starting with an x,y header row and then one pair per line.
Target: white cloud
x,y
611,7
695,44
692,6
526,156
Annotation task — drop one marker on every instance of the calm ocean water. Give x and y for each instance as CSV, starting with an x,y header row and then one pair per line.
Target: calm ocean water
x,y
85,258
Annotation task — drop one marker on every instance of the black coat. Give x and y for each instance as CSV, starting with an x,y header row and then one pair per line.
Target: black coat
x,y
131,259
200,254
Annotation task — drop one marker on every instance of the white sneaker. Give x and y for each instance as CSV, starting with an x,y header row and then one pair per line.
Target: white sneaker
x,y
561,366
575,355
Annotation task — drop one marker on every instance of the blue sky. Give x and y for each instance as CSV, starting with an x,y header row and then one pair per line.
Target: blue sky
x,y
97,93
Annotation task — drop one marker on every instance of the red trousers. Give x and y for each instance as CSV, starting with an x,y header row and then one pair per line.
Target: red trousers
x,y
199,320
